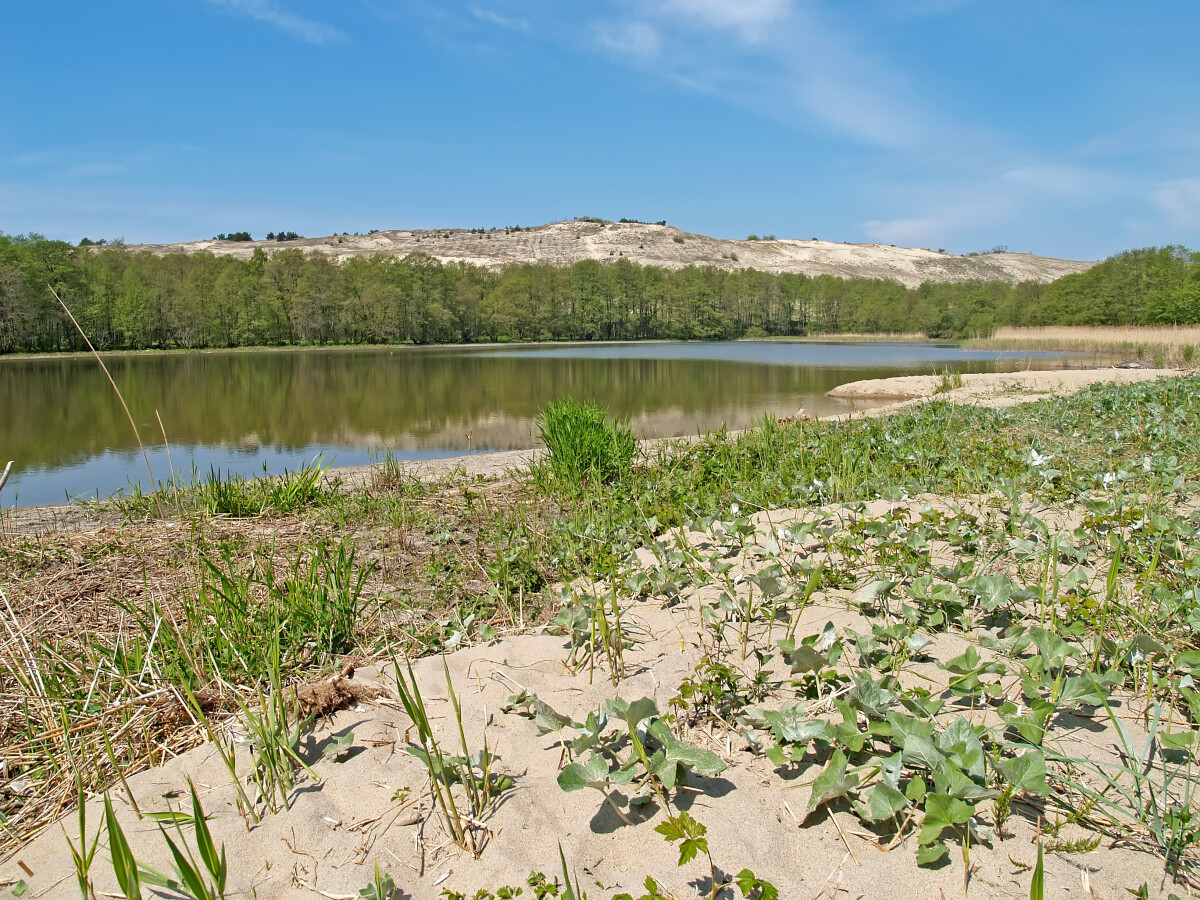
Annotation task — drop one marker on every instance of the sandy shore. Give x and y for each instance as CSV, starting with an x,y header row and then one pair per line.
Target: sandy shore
x,y
993,388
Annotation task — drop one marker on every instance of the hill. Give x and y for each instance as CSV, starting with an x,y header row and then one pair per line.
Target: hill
x,y
565,243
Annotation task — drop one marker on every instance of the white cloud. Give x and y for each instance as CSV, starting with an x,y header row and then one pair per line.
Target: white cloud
x,y
637,39
494,18
1180,201
748,17
272,14
1054,178
940,223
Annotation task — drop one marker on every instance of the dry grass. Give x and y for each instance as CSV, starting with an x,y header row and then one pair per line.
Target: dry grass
x,y
74,704
1164,346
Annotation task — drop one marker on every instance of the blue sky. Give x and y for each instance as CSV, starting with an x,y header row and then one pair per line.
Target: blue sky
x,y
1068,129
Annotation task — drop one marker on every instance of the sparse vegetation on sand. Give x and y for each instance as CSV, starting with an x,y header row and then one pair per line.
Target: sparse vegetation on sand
x,y
937,641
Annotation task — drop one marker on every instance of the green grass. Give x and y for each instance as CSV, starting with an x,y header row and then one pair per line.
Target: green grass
x,y
585,446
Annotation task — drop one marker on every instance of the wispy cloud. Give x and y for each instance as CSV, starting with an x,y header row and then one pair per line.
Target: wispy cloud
x,y
494,18
748,18
636,39
1058,179
1180,201
775,57
940,222
273,14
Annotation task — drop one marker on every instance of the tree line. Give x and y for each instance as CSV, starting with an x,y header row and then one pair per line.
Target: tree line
x,y
131,300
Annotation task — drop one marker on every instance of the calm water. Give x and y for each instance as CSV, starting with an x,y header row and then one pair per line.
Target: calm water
x,y
61,423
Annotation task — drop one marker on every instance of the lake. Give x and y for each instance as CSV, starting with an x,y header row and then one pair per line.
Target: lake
x,y
242,411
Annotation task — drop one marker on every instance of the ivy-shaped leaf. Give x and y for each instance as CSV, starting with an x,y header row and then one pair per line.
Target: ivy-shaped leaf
x,y
872,699
883,802
941,812
833,782
1026,772
578,776
921,753
1030,724
960,743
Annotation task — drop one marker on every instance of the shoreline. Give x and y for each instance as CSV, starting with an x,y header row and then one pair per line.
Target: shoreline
x,y
848,338
995,388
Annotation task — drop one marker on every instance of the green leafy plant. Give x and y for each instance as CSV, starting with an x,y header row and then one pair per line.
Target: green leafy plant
x,y
654,761
190,880
83,855
473,773
125,867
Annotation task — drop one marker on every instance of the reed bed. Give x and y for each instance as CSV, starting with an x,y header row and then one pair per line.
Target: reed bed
x,y
1168,345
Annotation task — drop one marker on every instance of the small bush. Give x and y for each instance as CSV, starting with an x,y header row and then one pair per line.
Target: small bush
x,y
584,443
678,239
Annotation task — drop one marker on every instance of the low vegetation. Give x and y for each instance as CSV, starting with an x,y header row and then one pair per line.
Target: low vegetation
x,y
997,576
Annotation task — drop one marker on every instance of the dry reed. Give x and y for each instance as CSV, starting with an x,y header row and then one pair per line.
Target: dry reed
x,y
1173,345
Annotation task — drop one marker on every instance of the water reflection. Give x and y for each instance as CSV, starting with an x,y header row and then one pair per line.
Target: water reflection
x,y
239,411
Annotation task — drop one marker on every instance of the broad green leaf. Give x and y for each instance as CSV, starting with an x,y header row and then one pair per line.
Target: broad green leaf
x,y
920,702
1054,650
1031,724
789,725
640,710
960,743
920,752
903,725
338,747
949,779
941,812
1177,741
1188,661
1077,691
872,699
992,590
1026,772
577,776
928,854
676,751
915,790
833,782
883,802
806,659
870,594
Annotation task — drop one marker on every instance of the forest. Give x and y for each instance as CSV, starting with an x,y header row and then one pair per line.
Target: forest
x,y
132,300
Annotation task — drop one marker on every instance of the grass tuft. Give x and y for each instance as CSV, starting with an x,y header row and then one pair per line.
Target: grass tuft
x,y
585,444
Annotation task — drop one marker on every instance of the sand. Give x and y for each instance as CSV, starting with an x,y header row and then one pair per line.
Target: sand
x,y
992,388
372,807
563,243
